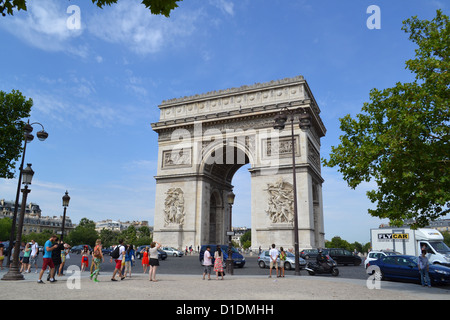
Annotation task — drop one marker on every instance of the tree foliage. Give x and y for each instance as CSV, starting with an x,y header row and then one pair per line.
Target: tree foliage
x,y
401,138
13,108
157,7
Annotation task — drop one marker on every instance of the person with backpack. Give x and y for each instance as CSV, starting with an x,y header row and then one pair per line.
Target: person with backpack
x,y
118,255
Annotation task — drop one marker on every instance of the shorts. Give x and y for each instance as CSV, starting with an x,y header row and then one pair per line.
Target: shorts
x,y
154,262
118,264
207,269
273,263
47,262
26,260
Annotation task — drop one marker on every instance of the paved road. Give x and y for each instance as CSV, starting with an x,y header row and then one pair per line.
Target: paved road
x,y
190,265
180,279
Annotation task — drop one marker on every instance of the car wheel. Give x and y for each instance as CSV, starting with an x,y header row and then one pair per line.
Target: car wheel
x,y
287,266
261,264
174,254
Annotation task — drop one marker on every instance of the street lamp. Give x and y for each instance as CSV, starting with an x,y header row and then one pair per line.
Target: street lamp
x,y
13,272
230,262
65,203
28,137
304,124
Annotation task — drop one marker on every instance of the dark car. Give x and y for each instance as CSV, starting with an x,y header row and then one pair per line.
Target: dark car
x,y
78,249
309,253
405,268
341,256
238,259
161,254
106,251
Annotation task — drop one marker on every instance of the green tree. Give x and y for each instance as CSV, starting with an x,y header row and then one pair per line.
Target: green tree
x,y
129,235
108,237
13,107
446,237
337,242
5,228
401,140
163,7
84,233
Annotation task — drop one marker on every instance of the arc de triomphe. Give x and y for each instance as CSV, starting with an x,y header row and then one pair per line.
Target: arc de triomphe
x,y
204,139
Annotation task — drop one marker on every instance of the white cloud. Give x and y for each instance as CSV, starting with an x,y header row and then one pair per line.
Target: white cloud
x,y
224,5
130,24
44,25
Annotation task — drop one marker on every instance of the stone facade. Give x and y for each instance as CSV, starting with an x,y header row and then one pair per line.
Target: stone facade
x,y
204,139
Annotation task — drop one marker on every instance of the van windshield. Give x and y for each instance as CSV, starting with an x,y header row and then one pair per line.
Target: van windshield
x,y
440,246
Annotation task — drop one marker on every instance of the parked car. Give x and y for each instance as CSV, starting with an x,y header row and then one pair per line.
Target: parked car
x,y
238,259
161,254
106,251
264,261
404,268
78,249
309,253
341,256
375,255
172,251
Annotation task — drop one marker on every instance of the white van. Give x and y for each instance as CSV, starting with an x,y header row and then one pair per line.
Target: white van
x,y
411,242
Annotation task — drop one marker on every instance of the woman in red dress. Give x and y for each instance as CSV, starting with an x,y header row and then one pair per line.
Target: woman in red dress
x,y
145,260
85,258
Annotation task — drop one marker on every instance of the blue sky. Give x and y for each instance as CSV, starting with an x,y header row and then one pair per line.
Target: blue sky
x,y
96,89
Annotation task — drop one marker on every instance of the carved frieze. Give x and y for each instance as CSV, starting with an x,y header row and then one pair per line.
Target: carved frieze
x,y
174,207
280,207
313,156
281,147
177,158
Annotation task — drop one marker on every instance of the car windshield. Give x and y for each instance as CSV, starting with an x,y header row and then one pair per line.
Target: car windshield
x,y
439,246
414,259
391,253
225,248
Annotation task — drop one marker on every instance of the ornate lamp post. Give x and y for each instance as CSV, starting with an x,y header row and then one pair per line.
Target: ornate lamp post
x,y
304,124
230,262
65,203
13,272
28,137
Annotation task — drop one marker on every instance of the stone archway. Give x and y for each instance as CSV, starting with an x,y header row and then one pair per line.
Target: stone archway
x,y
204,139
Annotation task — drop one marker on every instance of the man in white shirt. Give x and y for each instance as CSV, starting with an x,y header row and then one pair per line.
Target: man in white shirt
x,y
273,255
33,256
207,263
118,262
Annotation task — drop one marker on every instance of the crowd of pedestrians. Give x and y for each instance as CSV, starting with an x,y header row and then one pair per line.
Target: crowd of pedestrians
x,y
56,252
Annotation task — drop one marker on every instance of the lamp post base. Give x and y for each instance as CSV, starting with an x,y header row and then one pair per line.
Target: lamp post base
x,y
230,266
13,274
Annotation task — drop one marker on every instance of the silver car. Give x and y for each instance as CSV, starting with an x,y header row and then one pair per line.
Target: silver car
x,y
289,263
172,251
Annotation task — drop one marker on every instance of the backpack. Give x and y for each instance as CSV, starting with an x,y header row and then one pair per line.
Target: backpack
x,y
116,252
97,252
